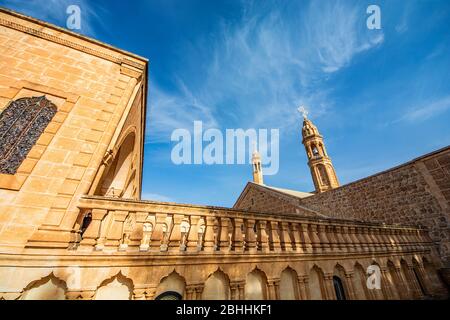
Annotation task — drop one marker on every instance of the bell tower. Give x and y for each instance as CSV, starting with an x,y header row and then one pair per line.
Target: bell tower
x,y
322,170
256,166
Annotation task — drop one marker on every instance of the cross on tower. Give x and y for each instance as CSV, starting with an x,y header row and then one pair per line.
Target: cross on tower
x,y
303,111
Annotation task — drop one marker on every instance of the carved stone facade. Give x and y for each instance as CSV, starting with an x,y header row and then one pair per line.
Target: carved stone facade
x,y
72,225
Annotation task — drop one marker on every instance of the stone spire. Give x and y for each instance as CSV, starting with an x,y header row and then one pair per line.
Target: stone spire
x,y
322,170
256,165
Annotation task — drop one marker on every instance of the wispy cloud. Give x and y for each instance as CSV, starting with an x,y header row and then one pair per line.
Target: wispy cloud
x,y
260,69
170,111
426,110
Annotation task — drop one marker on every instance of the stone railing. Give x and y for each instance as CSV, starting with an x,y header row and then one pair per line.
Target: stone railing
x,y
169,228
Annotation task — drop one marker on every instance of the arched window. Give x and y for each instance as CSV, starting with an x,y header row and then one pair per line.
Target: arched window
x,y
169,295
338,288
21,125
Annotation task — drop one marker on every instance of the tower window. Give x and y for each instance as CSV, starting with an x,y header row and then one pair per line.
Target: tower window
x,y
21,125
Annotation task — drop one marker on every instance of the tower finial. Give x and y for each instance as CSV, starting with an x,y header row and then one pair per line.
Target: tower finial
x,y
304,112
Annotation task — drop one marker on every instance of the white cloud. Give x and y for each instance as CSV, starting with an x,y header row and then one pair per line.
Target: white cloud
x,y
173,111
261,69
427,110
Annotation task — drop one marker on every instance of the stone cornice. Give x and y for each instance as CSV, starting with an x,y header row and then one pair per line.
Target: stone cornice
x,y
37,31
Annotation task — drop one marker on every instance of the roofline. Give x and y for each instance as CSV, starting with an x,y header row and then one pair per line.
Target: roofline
x,y
74,34
427,155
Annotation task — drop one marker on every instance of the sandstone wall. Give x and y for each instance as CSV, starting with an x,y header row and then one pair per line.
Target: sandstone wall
x,y
91,84
416,193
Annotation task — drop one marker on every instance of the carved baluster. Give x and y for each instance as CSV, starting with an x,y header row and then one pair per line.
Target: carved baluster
x,y
238,240
274,239
159,232
209,234
315,239
295,227
342,244
330,232
348,241
325,245
305,238
285,239
147,229
355,240
193,235
224,239
250,236
175,235
263,238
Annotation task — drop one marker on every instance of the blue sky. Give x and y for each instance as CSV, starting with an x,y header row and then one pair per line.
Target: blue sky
x,y
379,97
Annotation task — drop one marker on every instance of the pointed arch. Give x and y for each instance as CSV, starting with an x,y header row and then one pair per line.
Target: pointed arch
x,y
316,284
340,287
217,286
117,287
256,285
117,174
173,282
360,282
46,288
289,284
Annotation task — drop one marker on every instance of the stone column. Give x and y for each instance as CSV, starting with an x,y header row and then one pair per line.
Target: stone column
x,y
273,289
417,292
386,285
241,287
198,292
234,290
349,285
303,287
150,293
329,286
139,294
190,292
404,288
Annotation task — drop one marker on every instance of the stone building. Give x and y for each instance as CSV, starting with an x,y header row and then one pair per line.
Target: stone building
x,y
72,225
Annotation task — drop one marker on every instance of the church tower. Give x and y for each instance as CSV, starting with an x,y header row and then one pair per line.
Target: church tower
x,y
257,170
322,170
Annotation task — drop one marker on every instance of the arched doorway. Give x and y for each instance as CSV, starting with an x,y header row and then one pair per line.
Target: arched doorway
x,y
339,288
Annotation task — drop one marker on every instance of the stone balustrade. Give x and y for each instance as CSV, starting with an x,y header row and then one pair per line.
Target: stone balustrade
x,y
169,228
